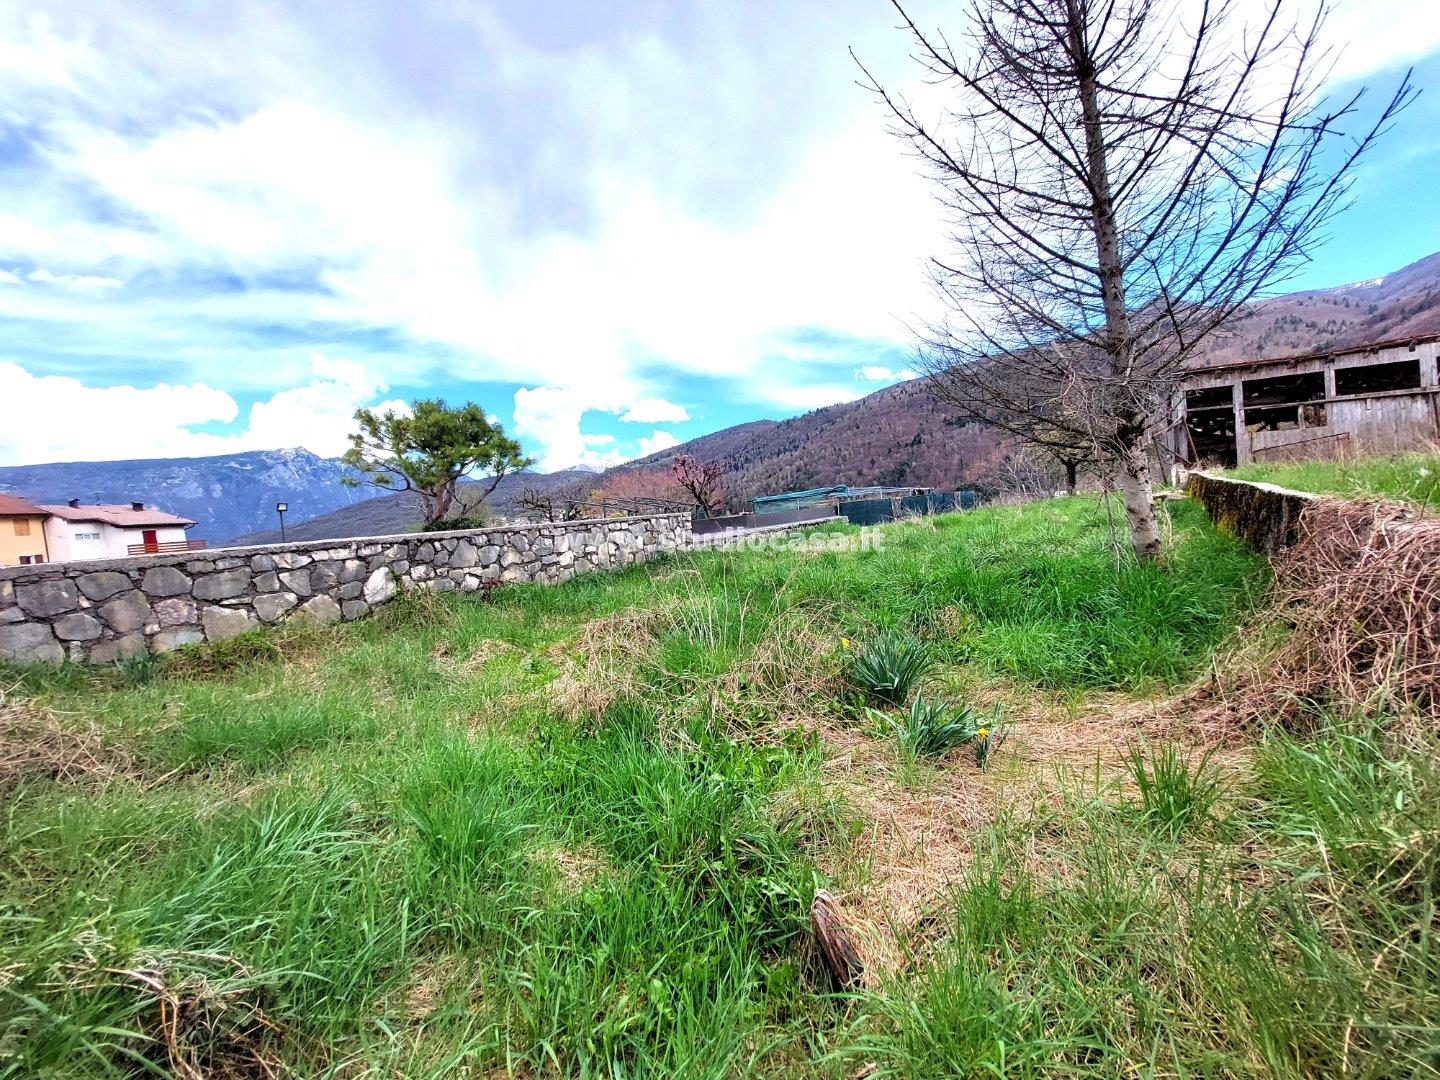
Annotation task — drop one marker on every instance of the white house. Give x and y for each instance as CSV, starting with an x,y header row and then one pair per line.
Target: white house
x,y
76,532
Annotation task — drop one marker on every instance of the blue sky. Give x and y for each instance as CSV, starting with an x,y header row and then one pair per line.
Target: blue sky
x,y
616,226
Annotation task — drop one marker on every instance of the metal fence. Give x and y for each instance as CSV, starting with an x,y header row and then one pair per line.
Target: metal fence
x,y
879,511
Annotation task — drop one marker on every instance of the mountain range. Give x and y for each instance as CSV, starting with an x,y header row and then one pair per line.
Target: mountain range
x,y
225,495
895,436
900,436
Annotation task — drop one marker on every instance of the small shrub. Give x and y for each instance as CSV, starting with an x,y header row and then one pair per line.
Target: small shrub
x,y
1174,792
887,665
138,669
930,728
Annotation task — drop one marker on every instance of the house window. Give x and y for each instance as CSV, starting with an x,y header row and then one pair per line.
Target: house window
x,y
22,526
26,560
87,536
1377,378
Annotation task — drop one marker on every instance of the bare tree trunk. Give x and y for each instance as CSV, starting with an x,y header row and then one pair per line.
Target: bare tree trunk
x,y
1132,480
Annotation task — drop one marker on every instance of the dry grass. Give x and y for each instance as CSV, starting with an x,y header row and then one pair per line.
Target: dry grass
x,y
574,867
34,745
1358,603
605,662
919,833
203,1008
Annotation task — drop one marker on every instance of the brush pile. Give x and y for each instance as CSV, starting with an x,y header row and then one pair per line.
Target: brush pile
x,y
1360,591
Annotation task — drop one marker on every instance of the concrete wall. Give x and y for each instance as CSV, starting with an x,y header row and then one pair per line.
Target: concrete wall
x,y
100,611
1263,515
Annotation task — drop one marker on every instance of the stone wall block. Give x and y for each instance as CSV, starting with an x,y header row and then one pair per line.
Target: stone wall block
x,y
169,640
78,626
126,612
52,597
271,606
103,584
297,581
176,611
321,609
107,652
30,643
225,584
379,586
161,581
221,623
324,576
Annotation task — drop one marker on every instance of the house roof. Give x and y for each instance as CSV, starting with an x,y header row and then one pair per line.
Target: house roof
x,y
122,516
1190,370
10,506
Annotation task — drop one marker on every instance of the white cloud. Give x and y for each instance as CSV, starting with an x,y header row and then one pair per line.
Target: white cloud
x,y
652,410
82,282
879,373
319,415
574,247
58,418
657,441
547,423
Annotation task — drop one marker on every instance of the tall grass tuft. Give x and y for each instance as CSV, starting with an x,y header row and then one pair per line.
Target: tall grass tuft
x,y
888,664
931,728
1175,792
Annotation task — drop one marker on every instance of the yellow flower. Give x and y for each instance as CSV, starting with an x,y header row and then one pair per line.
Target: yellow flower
x,y
982,733
844,642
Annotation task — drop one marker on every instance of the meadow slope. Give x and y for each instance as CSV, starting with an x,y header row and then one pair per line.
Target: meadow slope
x,y
577,831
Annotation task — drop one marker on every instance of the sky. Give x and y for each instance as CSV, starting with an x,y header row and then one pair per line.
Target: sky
x,y
615,224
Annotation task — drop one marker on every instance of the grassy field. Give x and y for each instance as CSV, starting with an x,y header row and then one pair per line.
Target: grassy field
x,y
577,831
1414,477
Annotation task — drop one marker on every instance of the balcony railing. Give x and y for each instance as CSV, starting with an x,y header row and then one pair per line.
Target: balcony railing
x,y
166,547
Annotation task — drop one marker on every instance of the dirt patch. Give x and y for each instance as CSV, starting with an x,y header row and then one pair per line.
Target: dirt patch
x,y
914,841
574,867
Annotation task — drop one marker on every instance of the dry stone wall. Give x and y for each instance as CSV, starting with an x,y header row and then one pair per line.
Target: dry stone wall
x,y
101,611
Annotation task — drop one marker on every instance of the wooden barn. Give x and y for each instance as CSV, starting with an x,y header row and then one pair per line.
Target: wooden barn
x,y
1380,397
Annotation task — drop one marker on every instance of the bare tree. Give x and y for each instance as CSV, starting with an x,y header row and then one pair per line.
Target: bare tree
x,y
566,502
1120,180
702,479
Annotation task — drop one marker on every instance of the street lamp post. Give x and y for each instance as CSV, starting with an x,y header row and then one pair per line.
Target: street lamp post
x,y
280,509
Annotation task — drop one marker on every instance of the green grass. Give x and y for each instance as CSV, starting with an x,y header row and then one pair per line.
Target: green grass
x,y
398,842
1414,477
1296,938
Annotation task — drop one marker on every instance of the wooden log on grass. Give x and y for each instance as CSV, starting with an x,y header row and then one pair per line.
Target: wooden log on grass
x,y
836,940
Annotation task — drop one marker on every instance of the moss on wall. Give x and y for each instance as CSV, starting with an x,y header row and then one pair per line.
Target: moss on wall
x,y
1263,515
